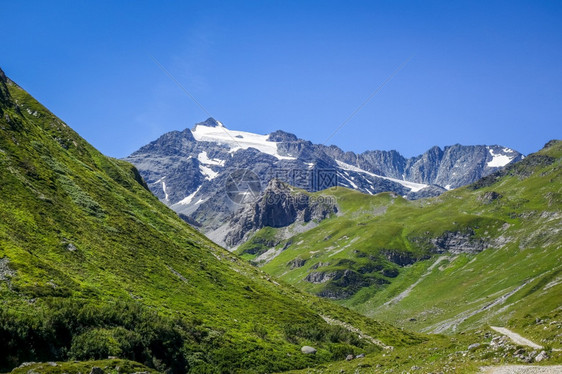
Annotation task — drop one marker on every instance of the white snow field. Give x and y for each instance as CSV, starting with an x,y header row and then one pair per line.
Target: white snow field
x,y
237,139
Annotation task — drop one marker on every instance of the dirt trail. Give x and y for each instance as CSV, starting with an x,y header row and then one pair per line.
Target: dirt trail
x,y
515,337
518,339
522,369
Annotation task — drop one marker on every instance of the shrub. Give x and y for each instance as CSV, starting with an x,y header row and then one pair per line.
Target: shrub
x,y
95,344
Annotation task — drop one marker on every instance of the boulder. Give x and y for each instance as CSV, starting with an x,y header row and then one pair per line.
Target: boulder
x,y
541,356
307,350
473,346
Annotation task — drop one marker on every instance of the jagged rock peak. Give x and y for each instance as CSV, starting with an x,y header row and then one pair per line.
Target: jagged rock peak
x,y
209,122
437,150
2,76
282,136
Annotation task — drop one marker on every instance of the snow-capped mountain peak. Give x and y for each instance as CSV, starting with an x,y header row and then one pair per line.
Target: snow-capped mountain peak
x,y
188,170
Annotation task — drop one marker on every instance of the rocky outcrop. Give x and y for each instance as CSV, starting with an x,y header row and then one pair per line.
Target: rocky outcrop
x,y
459,242
489,197
296,263
318,277
282,136
280,205
398,257
319,265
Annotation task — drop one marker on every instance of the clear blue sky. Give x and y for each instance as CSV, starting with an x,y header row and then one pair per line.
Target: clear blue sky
x,y
487,72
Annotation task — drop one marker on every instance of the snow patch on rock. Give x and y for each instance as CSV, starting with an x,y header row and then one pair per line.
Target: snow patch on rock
x,y
414,187
500,160
209,173
187,200
204,159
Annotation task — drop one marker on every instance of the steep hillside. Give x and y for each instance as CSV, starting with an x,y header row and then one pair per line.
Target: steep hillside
x,y
93,265
490,252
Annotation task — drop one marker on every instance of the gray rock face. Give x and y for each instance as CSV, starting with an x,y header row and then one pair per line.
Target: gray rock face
x,y
282,136
459,242
297,263
451,167
279,206
188,170
399,258
318,277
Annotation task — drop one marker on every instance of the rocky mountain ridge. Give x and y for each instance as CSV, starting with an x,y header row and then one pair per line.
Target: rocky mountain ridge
x,y
188,170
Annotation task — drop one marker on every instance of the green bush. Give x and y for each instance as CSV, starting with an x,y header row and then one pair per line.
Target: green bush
x,y
95,344
60,329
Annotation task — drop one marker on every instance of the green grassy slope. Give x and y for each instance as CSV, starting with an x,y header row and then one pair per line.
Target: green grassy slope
x,y
381,246
93,265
